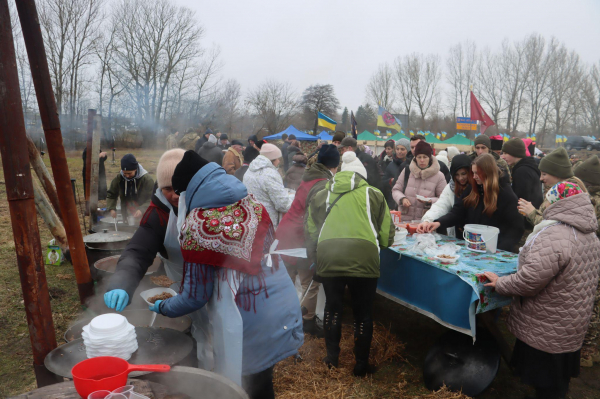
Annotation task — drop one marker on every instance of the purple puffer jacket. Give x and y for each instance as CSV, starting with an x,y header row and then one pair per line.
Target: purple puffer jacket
x,y
428,182
553,290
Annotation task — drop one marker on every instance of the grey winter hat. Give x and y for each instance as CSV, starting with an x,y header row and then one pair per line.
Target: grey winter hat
x,y
483,139
212,139
349,142
404,143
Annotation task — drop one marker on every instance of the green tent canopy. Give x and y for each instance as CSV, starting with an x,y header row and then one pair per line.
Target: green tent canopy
x,y
368,136
430,138
398,136
458,140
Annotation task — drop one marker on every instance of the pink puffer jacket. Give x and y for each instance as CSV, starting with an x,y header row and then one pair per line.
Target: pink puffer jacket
x,y
553,290
428,182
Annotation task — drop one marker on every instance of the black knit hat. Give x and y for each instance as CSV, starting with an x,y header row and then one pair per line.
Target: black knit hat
x,y
329,156
458,162
223,136
208,131
128,162
496,144
250,153
237,142
186,169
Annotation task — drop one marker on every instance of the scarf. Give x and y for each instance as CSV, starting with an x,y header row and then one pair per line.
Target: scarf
x,y
231,237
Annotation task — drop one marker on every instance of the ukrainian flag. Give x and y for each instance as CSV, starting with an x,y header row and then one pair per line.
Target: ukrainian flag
x,y
387,120
326,122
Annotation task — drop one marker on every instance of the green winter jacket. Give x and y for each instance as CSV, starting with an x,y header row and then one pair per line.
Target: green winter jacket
x,y
347,243
140,199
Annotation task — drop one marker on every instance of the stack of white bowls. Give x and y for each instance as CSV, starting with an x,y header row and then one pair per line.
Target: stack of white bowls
x,y
110,334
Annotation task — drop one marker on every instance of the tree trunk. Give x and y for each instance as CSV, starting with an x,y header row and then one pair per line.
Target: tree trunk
x,y
42,173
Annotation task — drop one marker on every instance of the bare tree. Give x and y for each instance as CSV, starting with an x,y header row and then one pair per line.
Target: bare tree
x,y
381,88
591,99
565,85
516,71
404,85
153,39
320,98
424,74
461,65
489,84
274,103
230,103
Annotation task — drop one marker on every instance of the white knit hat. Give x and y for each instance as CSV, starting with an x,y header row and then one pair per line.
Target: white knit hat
x,y
271,151
452,152
166,166
352,164
443,159
212,139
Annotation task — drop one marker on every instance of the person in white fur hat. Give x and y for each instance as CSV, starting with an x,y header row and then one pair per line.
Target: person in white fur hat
x,y
264,182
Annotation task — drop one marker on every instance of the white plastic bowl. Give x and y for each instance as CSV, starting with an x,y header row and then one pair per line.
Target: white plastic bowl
x,y
108,324
155,291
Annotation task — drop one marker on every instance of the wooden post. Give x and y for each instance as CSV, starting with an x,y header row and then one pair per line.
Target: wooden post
x,y
19,191
36,52
88,159
42,173
47,213
95,165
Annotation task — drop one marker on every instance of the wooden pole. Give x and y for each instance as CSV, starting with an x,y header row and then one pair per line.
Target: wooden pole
x,y
95,165
34,42
47,213
19,191
43,174
88,151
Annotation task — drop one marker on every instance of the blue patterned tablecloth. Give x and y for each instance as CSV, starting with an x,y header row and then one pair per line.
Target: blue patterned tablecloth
x,y
451,294
469,265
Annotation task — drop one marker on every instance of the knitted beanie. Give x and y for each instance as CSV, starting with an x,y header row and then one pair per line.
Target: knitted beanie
x,y
185,170
349,142
404,143
351,163
128,162
329,156
223,136
166,167
562,190
452,152
483,139
423,148
515,147
271,151
212,139
338,136
589,171
557,164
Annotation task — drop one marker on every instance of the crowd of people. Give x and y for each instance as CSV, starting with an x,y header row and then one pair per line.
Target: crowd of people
x,y
220,212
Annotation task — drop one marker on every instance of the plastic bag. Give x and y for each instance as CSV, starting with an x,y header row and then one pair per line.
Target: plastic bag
x,y
424,244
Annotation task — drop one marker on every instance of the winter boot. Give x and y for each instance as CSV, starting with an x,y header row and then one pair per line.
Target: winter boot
x,y
333,335
313,327
363,335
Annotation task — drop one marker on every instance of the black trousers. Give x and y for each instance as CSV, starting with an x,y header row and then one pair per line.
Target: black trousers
x,y
362,294
259,385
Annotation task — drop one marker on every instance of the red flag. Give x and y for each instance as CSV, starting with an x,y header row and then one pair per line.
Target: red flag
x,y
478,114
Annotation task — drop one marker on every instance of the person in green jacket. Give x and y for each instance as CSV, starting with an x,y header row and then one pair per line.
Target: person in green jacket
x,y
346,224
133,186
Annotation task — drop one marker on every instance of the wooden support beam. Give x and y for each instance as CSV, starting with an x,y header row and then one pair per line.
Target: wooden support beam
x,y
47,213
38,165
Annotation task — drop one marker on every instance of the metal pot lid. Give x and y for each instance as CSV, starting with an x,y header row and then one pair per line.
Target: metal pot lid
x,y
155,346
107,236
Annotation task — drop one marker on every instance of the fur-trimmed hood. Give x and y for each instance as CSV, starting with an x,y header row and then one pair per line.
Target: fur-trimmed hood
x,y
424,174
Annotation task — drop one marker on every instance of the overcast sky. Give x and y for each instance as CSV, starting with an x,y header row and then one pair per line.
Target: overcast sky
x,y
342,42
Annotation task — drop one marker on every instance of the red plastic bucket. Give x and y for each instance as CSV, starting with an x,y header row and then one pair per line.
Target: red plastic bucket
x,y
107,373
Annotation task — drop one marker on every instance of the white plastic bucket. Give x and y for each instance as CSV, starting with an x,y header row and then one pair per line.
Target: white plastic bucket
x,y
481,238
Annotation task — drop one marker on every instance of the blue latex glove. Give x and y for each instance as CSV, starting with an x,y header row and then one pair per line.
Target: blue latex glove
x,y
156,306
116,299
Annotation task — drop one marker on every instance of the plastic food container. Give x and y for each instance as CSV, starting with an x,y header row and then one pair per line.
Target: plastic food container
x,y
155,291
447,261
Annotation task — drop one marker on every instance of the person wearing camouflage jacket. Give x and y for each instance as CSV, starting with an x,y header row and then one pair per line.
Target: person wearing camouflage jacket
x,y
589,172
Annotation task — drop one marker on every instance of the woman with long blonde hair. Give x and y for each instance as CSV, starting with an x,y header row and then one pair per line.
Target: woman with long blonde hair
x,y
489,201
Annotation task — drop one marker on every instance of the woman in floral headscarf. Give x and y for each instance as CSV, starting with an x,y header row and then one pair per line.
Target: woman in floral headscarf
x,y
553,291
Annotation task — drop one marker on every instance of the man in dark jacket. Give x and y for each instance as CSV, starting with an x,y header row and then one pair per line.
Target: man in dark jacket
x,y
373,171
211,152
525,173
223,143
249,154
133,186
483,145
203,140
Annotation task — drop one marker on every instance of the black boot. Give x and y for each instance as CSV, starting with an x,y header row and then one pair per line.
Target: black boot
x,y
313,327
363,335
333,335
